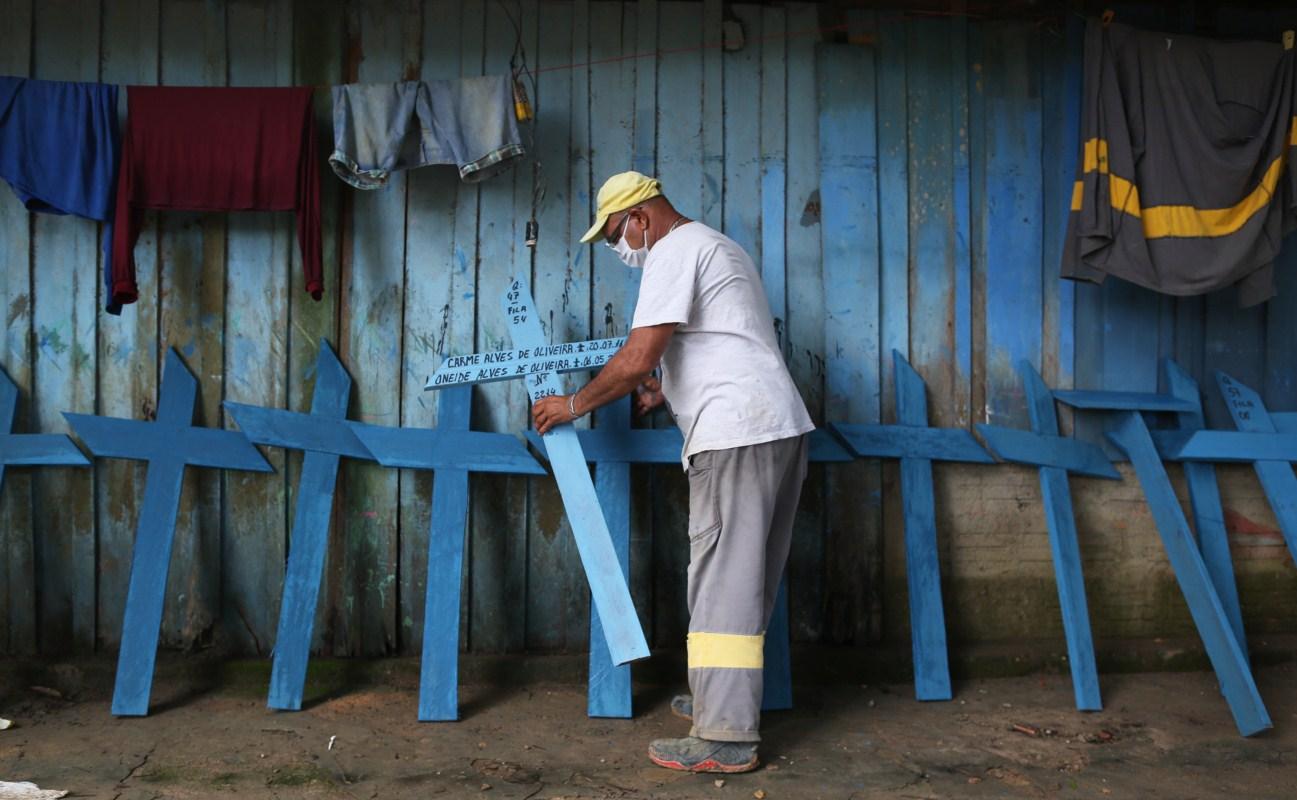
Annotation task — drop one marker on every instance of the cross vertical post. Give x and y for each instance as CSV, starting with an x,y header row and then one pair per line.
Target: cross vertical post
x,y
917,446
325,437
1055,457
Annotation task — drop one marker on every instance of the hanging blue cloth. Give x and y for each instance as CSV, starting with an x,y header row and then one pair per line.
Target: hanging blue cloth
x,y
59,150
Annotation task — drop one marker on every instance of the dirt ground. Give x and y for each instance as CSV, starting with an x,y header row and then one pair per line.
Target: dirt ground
x,y
1163,735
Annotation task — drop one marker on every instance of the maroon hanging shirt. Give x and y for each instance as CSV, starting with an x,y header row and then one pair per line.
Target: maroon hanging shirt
x,y
217,149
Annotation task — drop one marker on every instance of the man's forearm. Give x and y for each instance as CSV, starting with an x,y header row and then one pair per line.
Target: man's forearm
x,y
619,377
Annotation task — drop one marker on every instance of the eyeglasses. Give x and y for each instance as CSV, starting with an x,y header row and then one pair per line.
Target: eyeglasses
x,y
612,240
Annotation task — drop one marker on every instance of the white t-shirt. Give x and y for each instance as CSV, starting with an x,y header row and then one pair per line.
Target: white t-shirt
x,y
722,373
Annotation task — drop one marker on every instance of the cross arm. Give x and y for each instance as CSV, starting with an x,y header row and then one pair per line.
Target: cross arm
x,y
430,448
296,431
623,446
1123,401
1234,446
907,441
221,449
40,449
1025,447
111,437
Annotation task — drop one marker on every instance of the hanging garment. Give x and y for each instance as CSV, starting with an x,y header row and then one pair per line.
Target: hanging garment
x,y
1183,184
58,150
379,128
217,149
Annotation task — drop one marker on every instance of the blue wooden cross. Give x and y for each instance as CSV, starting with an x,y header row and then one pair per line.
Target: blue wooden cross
x,y
1132,436
1258,440
326,437
612,448
30,449
609,590
917,446
1204,499
452,451
168,444
1056,456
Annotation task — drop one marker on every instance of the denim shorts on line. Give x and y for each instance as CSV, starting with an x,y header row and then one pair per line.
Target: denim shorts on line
x,y
382,127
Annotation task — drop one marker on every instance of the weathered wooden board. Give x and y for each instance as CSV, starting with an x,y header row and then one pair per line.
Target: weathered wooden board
x,y
311,320
128,345
258,248
1014,290
499,529
192,304
558,606
849,241
362,599
17,548
804,327
65,254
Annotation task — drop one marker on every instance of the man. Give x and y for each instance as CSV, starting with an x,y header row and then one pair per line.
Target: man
x,y
702,315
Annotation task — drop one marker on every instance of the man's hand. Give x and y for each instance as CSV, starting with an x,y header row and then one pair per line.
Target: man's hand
x,y
648,396
550,411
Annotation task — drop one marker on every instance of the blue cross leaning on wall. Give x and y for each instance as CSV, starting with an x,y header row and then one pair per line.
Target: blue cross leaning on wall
x,y
169,444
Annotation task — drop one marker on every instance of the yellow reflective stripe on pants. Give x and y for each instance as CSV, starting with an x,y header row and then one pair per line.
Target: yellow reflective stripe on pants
x,y
731,650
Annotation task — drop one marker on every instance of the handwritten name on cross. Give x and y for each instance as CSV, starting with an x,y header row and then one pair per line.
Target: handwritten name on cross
x,y
917,446
1056,456
506,365
1258,440
1132,436
169,445
609,590
30,449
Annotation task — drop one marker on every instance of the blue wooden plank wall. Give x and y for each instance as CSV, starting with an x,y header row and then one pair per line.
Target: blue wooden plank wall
x,y
926,216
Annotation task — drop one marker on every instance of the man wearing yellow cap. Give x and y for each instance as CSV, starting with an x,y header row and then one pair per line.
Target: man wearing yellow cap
x,y
703,318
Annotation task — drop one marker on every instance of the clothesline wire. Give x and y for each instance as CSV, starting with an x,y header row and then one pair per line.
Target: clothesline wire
x,y
518,68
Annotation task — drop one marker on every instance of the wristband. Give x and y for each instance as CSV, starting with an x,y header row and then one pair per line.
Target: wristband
x,y
571,406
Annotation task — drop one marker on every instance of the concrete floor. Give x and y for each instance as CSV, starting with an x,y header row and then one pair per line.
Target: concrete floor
x,y
1163,735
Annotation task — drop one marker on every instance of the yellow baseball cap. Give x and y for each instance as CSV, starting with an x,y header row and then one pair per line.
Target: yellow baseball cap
x,y
620,192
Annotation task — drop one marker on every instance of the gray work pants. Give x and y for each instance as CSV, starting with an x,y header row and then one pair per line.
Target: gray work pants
x,y
742,502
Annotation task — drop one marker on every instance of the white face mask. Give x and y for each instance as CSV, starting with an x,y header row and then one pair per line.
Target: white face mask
x,y
632,257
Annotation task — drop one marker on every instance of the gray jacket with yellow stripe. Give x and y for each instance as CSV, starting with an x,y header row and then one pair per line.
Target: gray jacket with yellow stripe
x,y
1183,184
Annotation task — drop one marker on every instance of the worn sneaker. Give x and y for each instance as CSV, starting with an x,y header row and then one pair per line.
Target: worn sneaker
x,y
692,754
682,705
